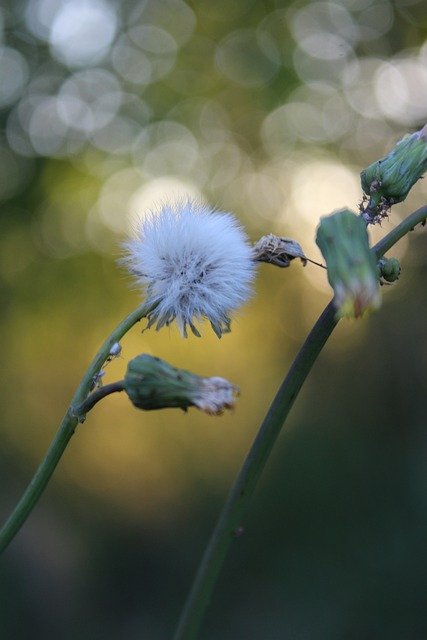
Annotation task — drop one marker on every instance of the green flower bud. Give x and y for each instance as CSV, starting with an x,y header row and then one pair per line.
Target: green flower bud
x,y
389,269
152,383
352,268
389,180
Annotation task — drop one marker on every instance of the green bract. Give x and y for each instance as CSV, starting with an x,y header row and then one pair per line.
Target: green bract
x,y
352,269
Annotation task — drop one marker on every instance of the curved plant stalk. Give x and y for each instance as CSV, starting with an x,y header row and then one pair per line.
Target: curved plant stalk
x,y
96,396
229,522
65,431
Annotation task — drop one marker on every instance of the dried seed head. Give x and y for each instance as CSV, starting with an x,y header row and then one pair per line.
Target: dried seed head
x,y
193,263
278,251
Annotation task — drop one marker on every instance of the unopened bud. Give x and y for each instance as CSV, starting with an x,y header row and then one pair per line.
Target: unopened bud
x,y
389,269
390,179
352,269
152,383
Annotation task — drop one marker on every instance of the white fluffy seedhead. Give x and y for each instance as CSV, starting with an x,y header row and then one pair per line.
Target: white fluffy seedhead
x,y
192,263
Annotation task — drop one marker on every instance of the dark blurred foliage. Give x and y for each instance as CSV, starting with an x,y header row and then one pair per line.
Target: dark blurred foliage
x,y
269,109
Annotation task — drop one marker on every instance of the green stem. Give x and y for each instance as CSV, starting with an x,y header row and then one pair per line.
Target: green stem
x,y
408,224
229,522
65,431
97,395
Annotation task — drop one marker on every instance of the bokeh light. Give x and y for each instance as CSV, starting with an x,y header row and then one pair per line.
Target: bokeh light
x,y
100,90
268,110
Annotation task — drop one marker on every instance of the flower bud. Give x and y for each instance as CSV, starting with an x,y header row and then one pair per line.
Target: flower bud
x,y
152,383
389,180
389,269
352,269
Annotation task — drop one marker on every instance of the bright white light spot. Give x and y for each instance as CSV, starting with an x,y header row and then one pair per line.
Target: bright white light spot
x,y
117,137
114,196
153,40
401,90
165,147
39,15
324,19
317,188
314,112
131,63
326,46
89,100
146,54
358,86
126,196
321,186
370,137
152,195
82,32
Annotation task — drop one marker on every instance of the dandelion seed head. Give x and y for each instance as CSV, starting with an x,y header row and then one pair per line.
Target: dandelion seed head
x,y
192,263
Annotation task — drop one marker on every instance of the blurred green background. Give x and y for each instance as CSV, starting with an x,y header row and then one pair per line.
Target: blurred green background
x,y
270,110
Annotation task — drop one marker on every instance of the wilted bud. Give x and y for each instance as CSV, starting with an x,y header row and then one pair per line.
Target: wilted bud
x,y
389,269
278,251
152,383
390,179
352,268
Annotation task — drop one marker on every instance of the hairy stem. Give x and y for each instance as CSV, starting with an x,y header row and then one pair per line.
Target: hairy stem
x,y
65,431
238,499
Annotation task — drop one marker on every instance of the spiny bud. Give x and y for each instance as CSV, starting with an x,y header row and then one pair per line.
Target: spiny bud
x,y
389,180
352,269
152,383
389,269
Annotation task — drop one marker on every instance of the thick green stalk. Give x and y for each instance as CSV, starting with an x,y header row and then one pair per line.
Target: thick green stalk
x,y
65,431
229,522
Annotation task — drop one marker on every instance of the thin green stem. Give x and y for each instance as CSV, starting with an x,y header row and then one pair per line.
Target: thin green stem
x,y
65,431
229,522
239,496
97,395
